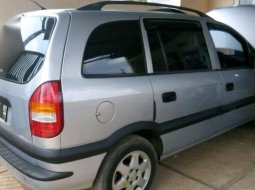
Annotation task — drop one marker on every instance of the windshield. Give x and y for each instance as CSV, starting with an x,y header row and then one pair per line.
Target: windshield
x,y
23,45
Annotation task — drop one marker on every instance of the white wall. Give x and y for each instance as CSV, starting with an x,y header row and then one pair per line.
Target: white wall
x,y
170,2
206,5
9,8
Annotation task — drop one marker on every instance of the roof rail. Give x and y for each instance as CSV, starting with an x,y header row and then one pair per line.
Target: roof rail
x,y
100,5
168,10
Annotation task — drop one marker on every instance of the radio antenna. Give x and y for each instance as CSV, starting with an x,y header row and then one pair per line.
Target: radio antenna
x,y
42,8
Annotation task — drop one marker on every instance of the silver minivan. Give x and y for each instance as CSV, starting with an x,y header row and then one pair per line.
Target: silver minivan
x,y
94,98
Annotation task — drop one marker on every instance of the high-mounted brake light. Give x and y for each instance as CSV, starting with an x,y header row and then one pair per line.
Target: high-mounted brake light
x,y
46,110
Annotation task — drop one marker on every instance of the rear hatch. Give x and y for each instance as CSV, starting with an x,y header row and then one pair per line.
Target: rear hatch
x,y
24,41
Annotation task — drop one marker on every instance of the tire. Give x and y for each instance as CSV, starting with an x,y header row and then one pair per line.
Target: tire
x,y
130,165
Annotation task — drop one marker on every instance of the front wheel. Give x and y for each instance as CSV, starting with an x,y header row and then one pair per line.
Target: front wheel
x,y
130,165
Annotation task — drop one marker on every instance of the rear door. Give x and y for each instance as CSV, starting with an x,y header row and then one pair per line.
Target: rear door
x,y
237,73
186,89
104,78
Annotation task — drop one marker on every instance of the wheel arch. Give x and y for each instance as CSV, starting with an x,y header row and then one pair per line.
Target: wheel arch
x,y
153,138
148,130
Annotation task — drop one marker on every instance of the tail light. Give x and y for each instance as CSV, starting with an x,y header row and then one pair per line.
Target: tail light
x,y
46,110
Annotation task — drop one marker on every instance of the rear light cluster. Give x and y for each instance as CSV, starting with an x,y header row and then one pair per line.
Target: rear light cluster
x,y
46,110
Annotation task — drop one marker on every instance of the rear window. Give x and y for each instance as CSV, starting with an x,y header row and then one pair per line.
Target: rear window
x,y
114,49
23,46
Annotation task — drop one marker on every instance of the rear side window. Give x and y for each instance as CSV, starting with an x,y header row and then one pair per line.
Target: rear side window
x,y
114,49
177,46
23,47
231,49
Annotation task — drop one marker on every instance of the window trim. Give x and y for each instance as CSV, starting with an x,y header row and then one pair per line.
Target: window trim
x,y
163,50
89,76
198,26
237,36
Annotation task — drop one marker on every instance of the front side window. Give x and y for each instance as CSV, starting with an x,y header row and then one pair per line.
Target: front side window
x,y
230,48
114,49
178,46
23,46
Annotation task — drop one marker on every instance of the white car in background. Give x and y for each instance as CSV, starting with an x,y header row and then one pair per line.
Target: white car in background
x,y
241,18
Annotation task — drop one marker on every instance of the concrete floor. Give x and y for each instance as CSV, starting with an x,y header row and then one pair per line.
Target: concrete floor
x,y
226,162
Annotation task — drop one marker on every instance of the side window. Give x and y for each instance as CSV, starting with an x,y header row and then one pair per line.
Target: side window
x,y
230,48
115,49
178,46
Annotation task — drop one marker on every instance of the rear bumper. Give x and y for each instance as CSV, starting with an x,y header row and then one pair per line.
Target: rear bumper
x,y
42,169
29,170
79,174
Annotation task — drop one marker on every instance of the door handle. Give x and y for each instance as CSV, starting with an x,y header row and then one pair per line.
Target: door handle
x,y
169,97
229,86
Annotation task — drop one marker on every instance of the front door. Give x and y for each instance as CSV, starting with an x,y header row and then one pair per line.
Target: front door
x,y
238,76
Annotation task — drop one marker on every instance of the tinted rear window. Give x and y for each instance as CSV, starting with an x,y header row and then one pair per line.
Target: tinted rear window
x,y
114,49
23,46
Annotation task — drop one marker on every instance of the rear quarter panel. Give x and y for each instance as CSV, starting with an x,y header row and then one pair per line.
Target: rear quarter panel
x,y
132,97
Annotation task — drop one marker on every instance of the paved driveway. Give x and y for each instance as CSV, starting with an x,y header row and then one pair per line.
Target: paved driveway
x,y
226,162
